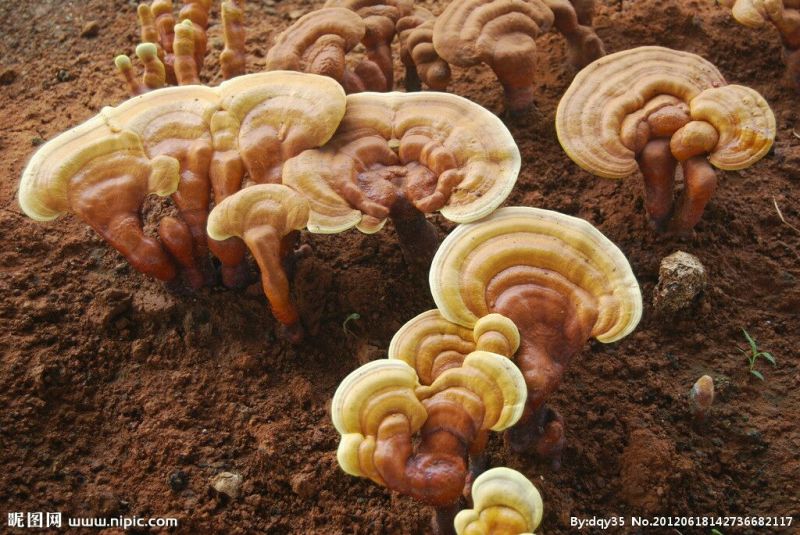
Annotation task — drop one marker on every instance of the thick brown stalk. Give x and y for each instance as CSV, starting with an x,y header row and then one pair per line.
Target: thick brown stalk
x,y
418,238
658,169
699,185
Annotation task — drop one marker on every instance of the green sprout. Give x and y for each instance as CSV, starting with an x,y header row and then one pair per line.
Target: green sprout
x,y
715,531
352,317
754,354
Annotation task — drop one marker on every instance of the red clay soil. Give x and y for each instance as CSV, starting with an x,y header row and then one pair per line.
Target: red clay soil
x,y
111,386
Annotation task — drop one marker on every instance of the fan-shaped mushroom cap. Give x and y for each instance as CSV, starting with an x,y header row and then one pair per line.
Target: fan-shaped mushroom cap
x,y
431,344
273,205
46,180
504,502
591,113
494,378
317,42
536,247
417,50
744,121
460,158
165,117
481,31
362,401
281,113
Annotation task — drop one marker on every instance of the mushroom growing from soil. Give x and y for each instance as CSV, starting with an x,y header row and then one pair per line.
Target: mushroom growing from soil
x,y
502,34
558,279
653,108
504,503
784,15
103,178
701,397
267,217
317,43
400,156
376,70
380,409
417,53
248,124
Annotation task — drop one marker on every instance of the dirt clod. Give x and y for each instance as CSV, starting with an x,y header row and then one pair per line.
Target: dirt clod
x,y
90,29
681,278
227,483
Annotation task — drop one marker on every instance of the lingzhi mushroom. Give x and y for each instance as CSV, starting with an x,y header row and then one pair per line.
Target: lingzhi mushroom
x,y
784,15
558,279
502,34
380,409
504,503
652,108
400,156
102,170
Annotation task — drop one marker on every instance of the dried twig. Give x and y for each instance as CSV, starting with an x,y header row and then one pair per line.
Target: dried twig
x,y
780,214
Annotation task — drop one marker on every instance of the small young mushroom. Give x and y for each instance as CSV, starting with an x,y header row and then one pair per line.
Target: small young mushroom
x,y
701,398
267,217
380,17
380,408
653,108
431,344
232,59
784,15
317,43
558,279
102,177
400,156
417,53
504,503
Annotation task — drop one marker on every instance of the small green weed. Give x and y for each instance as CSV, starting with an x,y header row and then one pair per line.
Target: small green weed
x,y
754,354
345,324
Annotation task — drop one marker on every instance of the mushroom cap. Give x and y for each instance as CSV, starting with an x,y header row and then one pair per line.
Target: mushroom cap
x,y
755,13
590,115
44,187
563,247
492,377
393,9
486,157
469,32
161,117
365,398
501,497
432,344
285,101
291,45
275,205
744,121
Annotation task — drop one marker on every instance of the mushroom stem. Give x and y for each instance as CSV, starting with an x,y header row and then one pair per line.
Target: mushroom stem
x,y
412,82
443,519
584,44
268,250
700,182
541,429
177,238
658,169
418,238
124,233
233,58
436,473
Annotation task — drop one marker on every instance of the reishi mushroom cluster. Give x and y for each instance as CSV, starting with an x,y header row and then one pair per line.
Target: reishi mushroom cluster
x,y
322,143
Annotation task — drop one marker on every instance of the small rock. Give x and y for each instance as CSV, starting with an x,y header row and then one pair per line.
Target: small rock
x,y
178,480
63,75
227,483
90,29
296,14
304,485
681,278
7,76
140,350
36,141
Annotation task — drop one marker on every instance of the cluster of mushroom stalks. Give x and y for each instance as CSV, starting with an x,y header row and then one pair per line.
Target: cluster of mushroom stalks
x,y
652,108
518,294
498,33
784,15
